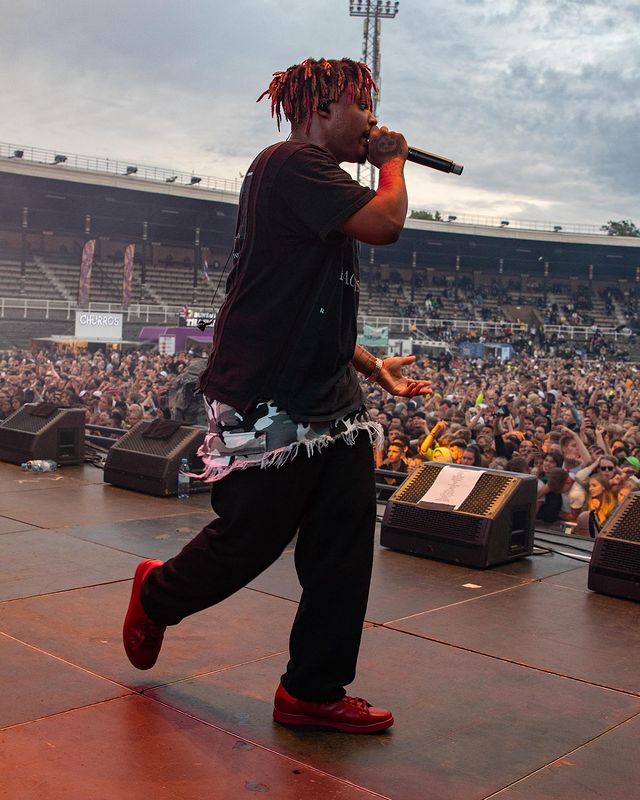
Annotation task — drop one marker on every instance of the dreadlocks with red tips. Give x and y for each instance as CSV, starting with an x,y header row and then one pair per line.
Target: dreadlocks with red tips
x,y
296,93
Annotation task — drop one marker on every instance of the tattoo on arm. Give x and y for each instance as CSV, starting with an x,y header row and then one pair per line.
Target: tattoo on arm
x,y
385,146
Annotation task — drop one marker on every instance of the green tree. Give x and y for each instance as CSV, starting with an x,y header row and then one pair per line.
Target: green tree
x,y
623,227
434,215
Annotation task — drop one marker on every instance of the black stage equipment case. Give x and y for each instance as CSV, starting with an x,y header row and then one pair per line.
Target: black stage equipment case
x,y
150,464
494,524
615,561
43,431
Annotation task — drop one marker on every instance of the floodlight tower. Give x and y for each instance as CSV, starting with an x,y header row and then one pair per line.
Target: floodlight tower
x,y
373,11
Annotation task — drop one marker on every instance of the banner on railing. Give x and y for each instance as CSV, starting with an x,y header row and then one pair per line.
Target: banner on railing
x,y
127,274
85,272
374,337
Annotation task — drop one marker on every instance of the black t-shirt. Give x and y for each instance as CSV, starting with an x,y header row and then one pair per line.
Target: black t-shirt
x,y
550,509
402,469
287,329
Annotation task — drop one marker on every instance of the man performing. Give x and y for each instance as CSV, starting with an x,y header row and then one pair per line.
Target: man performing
x,y
289,448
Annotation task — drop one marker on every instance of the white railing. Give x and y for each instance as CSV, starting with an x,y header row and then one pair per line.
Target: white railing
x,y
136,312
452,219
167,314
407,324
59,160
586,332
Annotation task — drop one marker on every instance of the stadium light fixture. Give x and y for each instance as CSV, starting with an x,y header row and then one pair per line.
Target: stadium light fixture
x,y
131,170
194,180
172,179
59,159
387,10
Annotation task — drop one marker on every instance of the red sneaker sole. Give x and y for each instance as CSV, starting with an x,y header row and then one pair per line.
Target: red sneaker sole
x,y
139,660
320,722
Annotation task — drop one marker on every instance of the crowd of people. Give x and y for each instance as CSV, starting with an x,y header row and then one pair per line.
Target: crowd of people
x,y
556,304
534,342
573,423
116,389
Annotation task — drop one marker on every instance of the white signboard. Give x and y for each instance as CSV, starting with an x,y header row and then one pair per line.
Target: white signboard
x,y
167,345
401,347
193,317
451,488
98,326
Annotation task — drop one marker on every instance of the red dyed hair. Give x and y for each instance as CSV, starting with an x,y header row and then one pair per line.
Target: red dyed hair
x,y
297,92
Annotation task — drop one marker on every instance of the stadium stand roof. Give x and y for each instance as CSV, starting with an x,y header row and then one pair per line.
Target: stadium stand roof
x,y
60,195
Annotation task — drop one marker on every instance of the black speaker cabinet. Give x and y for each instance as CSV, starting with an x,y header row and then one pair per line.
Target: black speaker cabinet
x,y
25,435
150,465
615,561
493,525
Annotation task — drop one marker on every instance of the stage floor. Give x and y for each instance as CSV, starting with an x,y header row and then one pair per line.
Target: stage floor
x,y
514,683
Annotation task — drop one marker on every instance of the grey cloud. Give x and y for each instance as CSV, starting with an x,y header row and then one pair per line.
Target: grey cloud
x,y
538,99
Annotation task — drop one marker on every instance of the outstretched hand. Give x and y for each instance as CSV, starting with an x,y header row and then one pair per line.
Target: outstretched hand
x,y
392,379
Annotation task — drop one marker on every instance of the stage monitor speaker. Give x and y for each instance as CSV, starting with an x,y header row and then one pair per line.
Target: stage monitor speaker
x,y
615,561
150,465
494,524
43,431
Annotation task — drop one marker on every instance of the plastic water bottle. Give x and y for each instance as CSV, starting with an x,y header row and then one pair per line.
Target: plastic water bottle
x,y
183,480
40,465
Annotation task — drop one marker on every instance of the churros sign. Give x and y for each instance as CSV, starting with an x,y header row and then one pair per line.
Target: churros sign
x,y
96,326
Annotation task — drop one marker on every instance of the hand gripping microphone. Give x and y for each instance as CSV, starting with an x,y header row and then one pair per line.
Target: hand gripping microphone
x,y
433,161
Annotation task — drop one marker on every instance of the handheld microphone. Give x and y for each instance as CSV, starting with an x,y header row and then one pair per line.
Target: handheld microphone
x,y
433,161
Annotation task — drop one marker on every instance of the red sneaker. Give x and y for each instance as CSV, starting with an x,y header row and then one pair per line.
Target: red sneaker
x,y
349,714
142,637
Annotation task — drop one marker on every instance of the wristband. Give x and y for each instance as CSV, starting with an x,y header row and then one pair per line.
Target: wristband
x,y
375,372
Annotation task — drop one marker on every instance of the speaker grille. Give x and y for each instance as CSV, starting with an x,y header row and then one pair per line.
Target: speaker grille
x,y
626,523
619,557
484,500
23,420
436,523
165,448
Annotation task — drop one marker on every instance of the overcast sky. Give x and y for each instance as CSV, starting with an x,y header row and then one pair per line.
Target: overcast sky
x,y
539,99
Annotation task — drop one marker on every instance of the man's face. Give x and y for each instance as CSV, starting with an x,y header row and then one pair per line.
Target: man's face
x,y
347,129
540,432
394,453
416,424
